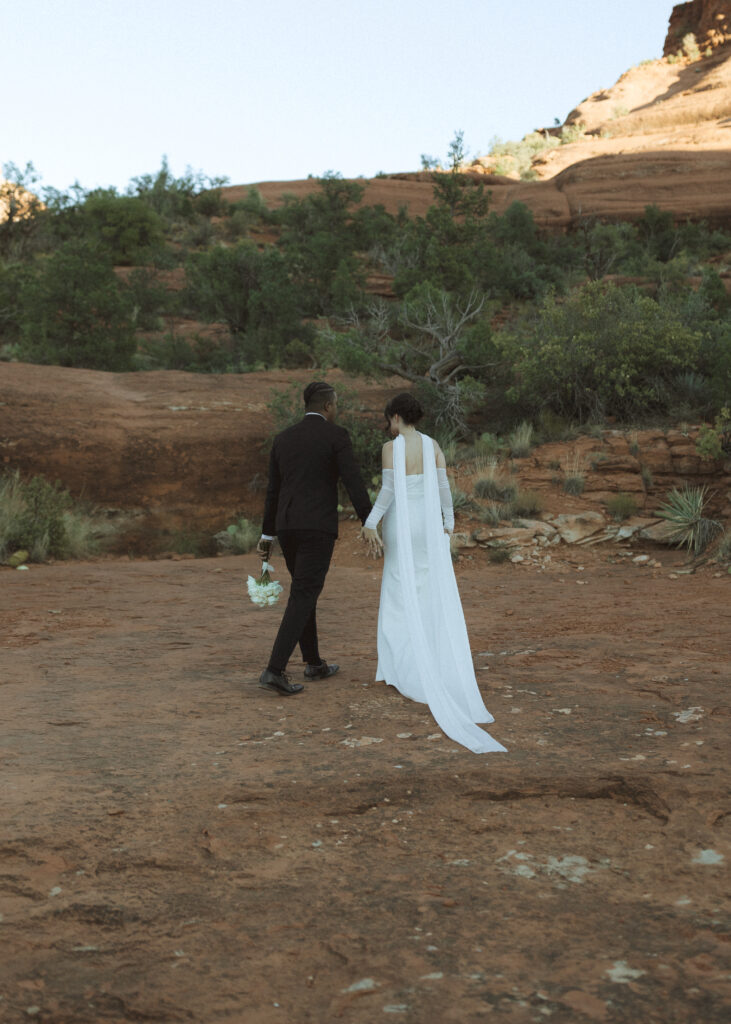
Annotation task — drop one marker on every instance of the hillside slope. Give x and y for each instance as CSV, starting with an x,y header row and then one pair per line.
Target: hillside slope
x,y
661,134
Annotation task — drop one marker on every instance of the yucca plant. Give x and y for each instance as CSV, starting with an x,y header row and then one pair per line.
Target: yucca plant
x,y
684,511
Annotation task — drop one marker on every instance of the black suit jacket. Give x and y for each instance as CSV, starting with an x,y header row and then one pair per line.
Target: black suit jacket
x,y
305,464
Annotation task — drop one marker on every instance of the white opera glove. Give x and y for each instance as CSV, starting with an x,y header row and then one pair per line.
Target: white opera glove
x,y
445,499
383,501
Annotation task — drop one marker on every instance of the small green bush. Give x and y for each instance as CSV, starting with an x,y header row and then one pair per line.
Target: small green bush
x,y
42,519
715,441
574,475
520,440
461,501
621,506
527,504
238,538
496,488
690,47
498,555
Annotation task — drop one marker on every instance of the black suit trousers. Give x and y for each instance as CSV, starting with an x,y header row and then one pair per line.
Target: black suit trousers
x,y
307,554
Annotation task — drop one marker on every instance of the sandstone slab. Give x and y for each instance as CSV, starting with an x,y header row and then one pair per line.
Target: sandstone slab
x,y
574,527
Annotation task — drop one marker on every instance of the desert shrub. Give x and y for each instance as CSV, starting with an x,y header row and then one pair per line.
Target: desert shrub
x,y
495,513
461,501
713,442
210,203
73,311
527,504
646,477
170,197
517,157
684,510
149,299
602,351
499,554
42,519
198,354
496,488
572,133
251,292
621,506
124,225
238,538
487,445
574,475
520,440
690,47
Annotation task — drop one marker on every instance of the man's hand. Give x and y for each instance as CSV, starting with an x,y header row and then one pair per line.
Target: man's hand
x,y
375,544
264,549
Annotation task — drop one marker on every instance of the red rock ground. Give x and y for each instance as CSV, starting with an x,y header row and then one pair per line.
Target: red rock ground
x,y
179,845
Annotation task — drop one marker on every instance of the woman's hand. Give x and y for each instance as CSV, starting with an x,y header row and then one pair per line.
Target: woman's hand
x,y
375,544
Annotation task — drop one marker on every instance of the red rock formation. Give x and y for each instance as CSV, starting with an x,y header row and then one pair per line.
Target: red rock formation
x,y
708,20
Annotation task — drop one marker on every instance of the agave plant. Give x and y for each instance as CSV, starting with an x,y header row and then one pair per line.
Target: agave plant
x,y
684,511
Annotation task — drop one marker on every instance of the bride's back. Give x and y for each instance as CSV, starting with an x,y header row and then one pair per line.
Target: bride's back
x,y
414,454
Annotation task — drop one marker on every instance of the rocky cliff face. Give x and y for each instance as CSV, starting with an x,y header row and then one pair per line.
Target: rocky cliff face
x,y
708,20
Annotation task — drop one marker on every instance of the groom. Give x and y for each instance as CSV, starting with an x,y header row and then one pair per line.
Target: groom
x,y
301,509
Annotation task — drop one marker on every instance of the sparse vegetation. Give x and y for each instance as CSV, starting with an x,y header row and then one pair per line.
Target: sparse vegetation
x,y
42,519
495,486
238,538
621,506
499,554
520,440
713,442
527,504
574,475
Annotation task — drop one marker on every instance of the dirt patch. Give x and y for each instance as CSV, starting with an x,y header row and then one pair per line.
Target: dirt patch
x,y
182,846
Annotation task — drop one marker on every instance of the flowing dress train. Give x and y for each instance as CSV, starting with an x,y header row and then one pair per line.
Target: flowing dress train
x,y
423,647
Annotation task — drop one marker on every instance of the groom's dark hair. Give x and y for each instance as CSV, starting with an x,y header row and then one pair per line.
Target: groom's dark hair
x,y
317,395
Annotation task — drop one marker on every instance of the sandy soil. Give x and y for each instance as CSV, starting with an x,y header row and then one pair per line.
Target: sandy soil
x,y
179,845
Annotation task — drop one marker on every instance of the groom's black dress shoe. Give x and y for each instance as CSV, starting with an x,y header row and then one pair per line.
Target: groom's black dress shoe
x,y
279,682
321,671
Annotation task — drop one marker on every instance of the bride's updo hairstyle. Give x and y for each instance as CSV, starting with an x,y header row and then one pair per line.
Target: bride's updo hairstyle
x,y
405,406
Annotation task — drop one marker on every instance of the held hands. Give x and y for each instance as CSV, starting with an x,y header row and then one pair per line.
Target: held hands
x,y
375,544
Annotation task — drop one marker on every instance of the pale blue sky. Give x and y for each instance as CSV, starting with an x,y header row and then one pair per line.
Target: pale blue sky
x,y
98,90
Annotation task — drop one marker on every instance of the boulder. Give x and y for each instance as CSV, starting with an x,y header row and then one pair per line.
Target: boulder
x,y
462,540
540,529
573,528
509,536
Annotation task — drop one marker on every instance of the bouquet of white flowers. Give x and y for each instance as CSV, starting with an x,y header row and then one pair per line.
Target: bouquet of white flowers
x,y
264,591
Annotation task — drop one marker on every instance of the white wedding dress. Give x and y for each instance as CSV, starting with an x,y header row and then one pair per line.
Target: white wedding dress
x,y
423,647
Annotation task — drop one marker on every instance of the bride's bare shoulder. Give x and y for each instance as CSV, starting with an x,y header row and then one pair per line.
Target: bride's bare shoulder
x,y
439,454
387,455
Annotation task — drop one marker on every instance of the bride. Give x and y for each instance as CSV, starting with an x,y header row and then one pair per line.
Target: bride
x,y
423,647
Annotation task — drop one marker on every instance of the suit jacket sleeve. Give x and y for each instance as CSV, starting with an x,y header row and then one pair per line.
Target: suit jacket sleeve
x,y
269,523
350,475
